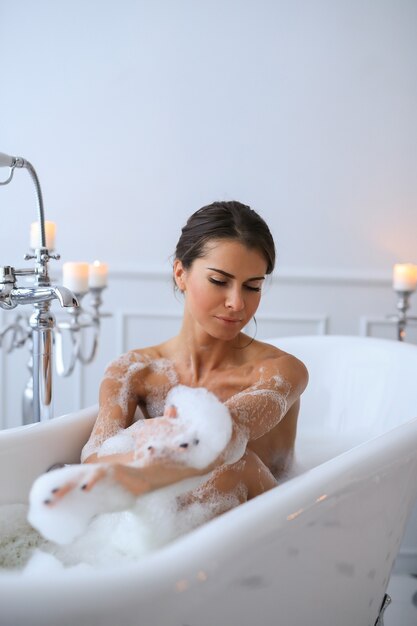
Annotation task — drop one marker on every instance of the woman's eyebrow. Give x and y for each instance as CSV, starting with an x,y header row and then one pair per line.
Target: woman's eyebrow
x,y
214,269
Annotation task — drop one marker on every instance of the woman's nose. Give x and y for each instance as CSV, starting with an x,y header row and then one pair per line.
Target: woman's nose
x,y
235,300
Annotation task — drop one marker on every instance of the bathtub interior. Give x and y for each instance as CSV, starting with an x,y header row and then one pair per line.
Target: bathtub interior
x,y
358,388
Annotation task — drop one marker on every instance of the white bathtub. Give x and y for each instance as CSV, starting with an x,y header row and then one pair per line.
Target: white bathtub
x,y
316,550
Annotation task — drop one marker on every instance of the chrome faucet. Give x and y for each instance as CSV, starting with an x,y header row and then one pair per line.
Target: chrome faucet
x,y
42,321
11,296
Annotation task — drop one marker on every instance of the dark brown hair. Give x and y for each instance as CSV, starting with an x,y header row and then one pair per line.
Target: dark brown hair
x,y
224,220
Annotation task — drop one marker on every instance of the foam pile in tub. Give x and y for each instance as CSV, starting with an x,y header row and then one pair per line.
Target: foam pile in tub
x,y
108,525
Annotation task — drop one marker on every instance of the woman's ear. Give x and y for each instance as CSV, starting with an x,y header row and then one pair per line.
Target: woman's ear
x,y
179,275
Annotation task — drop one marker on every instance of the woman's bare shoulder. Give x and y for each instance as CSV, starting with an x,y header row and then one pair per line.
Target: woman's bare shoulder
x,y
139,358
275,361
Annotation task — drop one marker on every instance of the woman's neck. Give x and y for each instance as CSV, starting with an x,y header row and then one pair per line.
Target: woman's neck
x,y
201,354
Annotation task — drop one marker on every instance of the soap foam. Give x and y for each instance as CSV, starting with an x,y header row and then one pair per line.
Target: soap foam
x,y
156,394
112,539
195,438
17,538
107,524
266,400
70,516
122,373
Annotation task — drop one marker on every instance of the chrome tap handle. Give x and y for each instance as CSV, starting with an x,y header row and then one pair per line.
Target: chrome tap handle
x,y
29,271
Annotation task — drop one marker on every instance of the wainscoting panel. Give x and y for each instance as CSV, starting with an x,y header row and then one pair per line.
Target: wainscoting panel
x,y
386,329
272,326
146,328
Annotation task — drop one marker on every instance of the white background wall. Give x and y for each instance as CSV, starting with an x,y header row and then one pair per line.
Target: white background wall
x,y
136,113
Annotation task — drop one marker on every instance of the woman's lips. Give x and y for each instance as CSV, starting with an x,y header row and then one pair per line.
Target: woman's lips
x,y
228,320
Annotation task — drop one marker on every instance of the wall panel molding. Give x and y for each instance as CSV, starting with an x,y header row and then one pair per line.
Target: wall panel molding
x,y
144,316
367,325
317,325
385,328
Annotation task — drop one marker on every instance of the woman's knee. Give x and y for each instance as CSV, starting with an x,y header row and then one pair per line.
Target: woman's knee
x,y
258,477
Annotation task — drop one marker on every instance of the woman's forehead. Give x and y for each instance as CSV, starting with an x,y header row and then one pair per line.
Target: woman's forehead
x,y
232,254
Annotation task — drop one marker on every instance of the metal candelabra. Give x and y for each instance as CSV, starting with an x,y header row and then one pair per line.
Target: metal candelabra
x,y
402,319
40,329
80,319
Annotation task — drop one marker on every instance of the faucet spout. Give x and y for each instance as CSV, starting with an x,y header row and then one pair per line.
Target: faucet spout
x,y
65,296
45,293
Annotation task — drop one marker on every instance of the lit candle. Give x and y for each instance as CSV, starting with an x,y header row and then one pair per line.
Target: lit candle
x,y
75,277
97,274
35,236
405,277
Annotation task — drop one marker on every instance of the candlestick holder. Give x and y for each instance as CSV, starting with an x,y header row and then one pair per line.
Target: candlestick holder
x,y
80,320
402,319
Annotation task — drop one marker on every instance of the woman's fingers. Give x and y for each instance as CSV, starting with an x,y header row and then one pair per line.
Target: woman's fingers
x,y
57,493
97,476
84,480
170,411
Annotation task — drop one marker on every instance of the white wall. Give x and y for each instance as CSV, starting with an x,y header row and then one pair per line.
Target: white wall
x,y
136,113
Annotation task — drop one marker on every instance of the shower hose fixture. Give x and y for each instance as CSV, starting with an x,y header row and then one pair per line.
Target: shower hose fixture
x,y
40,329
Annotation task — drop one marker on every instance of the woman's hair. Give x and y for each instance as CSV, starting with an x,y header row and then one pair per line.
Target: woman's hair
x,y
224,220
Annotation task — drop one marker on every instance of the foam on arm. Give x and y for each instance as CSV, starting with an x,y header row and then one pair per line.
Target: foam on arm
x,y
117,401
261,406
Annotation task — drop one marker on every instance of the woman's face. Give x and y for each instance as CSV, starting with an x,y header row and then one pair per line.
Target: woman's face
x,y
222,289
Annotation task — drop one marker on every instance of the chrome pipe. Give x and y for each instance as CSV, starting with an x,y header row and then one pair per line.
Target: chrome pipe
x,y
12,162
42,323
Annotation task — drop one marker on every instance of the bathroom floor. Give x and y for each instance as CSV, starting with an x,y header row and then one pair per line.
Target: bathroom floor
x,y
402,611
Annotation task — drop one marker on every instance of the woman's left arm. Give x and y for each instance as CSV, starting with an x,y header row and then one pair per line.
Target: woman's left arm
x,y
261,406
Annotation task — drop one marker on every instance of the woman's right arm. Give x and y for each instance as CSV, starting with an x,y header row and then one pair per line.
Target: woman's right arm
x,y
118,397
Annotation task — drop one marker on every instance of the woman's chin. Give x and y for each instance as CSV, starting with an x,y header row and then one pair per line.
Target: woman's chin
x,y
226,333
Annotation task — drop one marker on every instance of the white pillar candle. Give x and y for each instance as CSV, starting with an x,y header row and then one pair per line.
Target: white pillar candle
x,y
404,277
35,236
75,277
97,274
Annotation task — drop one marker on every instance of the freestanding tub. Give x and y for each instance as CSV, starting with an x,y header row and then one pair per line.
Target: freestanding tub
x,y
316,550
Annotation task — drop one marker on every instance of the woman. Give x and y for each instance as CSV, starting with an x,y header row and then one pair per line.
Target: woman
x,y
221,260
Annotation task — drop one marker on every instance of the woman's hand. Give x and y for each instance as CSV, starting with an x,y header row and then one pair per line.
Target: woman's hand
x,y
62,502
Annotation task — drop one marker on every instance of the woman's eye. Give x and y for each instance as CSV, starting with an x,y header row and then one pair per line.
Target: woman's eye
x,y
220,283
253,288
